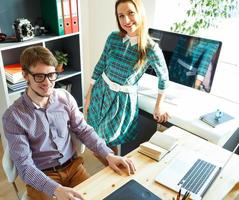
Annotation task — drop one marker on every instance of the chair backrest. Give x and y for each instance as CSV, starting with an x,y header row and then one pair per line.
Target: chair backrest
x,y
11,172
79,147
8,166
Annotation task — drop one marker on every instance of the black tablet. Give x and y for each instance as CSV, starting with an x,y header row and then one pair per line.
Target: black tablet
x,y
130,191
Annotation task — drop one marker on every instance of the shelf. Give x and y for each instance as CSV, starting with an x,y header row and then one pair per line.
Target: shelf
x,y
33,41
11,92
10,51
68,73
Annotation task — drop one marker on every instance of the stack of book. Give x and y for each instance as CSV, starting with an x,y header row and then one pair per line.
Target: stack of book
x,y
15,80
17,86
158,145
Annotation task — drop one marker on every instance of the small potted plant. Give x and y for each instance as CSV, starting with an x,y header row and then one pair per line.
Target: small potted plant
x,y
62,59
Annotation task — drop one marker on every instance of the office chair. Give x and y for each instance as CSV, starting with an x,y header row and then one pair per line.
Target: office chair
x,y
78,146
11,172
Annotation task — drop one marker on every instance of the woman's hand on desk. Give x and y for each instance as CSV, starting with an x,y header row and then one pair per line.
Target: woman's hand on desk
x,y
157,114
117,162
160,117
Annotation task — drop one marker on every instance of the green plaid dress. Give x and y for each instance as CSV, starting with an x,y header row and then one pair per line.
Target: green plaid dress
x,y
114,114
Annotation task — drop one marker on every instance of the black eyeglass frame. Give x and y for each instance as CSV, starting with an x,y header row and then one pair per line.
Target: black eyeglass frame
x,y
42,79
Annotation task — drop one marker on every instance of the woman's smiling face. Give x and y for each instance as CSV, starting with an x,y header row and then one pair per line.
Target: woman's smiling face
x,y
128,18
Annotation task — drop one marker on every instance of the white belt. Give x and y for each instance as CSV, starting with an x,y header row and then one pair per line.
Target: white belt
x,y
119,88
193,70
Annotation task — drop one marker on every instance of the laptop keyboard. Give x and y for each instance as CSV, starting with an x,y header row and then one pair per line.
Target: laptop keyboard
x,y
198,174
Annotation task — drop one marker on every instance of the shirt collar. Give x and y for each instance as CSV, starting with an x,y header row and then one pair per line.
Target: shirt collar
x,y
133,40
33,104
28,100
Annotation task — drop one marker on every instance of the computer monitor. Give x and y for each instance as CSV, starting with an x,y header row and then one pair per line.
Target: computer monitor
x,y
191,60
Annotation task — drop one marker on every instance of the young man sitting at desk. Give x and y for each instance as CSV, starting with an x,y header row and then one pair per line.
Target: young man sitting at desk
x,y
37,130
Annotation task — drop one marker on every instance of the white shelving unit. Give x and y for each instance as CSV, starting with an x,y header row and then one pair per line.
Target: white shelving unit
x,y
70,43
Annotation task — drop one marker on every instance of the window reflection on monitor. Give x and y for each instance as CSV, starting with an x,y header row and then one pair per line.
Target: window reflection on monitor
x,y
191,60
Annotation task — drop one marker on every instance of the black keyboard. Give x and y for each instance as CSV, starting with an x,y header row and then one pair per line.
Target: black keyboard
x,y
198,174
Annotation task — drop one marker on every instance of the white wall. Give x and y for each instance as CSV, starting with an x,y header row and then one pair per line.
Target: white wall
x,y
84,29
99,20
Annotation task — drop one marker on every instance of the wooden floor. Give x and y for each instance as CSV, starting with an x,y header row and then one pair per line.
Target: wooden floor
x,y
7,191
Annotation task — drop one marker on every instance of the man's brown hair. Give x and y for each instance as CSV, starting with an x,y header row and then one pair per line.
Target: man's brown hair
x,y
33,55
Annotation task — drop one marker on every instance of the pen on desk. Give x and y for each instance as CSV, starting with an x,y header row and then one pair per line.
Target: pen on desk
x,y
188,197
178,194
185,196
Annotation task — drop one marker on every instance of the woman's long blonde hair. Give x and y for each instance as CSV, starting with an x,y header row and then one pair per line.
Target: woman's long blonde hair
x,y
143,36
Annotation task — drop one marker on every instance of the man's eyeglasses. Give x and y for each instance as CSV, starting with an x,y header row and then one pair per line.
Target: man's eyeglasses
x,y
40,77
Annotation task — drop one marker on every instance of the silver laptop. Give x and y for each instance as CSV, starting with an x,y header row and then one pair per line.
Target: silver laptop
x,y
190,172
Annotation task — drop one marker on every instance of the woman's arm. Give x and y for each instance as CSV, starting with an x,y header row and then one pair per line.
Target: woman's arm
x,y
87,100
98,70
102,62
160,67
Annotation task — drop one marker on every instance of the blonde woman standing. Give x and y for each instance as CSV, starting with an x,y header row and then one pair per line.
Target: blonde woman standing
x,y
111,102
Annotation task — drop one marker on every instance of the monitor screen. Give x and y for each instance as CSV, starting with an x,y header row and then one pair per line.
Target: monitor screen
x,y
191,60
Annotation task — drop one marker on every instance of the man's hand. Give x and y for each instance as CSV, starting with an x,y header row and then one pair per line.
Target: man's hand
x,y
66,193
117,162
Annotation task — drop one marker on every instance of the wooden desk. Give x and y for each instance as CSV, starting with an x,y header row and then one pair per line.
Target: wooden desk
x,y
106,181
